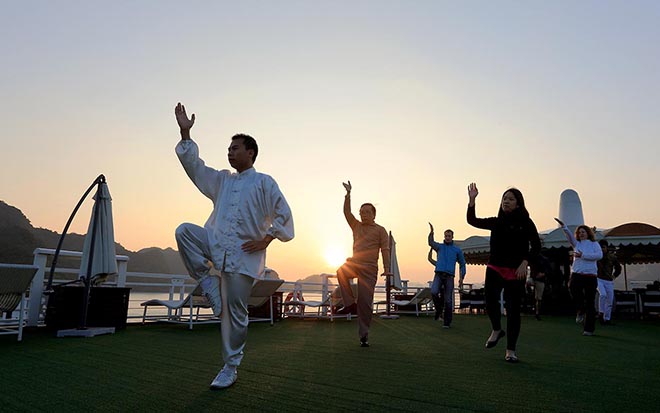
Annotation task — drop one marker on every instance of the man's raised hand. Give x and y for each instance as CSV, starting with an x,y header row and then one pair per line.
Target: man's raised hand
x,y
347,186
182,117
431,225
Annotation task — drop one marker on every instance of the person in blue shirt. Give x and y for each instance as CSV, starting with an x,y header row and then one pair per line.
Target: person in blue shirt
x,y
442,288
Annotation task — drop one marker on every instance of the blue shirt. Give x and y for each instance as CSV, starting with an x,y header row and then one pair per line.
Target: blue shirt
x,y
448,255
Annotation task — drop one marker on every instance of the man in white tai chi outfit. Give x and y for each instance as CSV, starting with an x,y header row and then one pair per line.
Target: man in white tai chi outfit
x,y
249,211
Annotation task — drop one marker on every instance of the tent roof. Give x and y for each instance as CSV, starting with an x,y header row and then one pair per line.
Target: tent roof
x,y
476,249
633,229
475,243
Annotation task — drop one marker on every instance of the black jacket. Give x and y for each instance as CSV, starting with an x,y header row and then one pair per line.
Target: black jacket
x,y
513,238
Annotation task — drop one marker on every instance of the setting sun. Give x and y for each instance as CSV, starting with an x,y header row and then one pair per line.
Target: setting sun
x,y
335,256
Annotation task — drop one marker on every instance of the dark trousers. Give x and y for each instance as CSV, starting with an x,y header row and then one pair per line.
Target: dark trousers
x,y
583,291
513,293
442,291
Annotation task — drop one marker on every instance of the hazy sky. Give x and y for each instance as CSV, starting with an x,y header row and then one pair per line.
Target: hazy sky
x,y
410,100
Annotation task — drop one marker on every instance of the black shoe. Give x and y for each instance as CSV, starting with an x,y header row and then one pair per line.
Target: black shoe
x,y
491,344
349,309
438,313
538,317
364,341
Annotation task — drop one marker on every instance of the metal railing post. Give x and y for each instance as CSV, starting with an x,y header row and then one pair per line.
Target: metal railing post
x,y
37,288
121,272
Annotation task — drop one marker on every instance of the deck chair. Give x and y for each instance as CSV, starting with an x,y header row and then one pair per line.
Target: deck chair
x,y
464,300
649,302
185,310
298,308
14,283
477,298
262,292
421,300
324,307
625,301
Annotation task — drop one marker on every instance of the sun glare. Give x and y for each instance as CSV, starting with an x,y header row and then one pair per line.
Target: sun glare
x,y
334,256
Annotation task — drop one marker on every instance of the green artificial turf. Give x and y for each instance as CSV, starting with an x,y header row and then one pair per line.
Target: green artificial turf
x,y
307,365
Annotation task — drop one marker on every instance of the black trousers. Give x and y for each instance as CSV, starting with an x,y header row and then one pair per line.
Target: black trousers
x,y
583,291
513,293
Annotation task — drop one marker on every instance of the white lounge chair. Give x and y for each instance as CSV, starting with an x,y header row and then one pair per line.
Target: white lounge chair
x,y
262,292
185,310
14,283
421,300
324,307
297,307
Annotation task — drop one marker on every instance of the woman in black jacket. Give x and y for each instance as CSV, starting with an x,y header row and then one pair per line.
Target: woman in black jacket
x,y
514,243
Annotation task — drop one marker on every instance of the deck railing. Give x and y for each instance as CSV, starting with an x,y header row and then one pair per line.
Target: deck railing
x,y
140,282
156,283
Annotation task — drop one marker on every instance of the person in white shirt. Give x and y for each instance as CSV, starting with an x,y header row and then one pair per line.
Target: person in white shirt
x,y
249,211
608,269
584,273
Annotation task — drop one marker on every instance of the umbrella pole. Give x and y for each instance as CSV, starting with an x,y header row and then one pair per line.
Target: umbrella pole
x,y
388,286
88,278
625,276
388,282
388,291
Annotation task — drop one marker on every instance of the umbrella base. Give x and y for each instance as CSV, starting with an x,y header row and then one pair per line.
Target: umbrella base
x,y
88,332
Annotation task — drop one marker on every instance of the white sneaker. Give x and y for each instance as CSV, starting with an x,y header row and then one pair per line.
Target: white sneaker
x,y
579,319
211,287
225,378
587,333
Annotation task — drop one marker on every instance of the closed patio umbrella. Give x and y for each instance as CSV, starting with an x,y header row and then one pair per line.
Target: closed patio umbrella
x,y
392,280
98,259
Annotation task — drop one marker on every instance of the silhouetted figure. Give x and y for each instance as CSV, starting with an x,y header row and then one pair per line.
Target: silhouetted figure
x,y
539,272
514,243
608,269
249,211
442,289
584,271
368,239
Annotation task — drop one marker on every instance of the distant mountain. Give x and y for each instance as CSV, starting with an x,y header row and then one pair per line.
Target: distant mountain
x,y
153,259
19,239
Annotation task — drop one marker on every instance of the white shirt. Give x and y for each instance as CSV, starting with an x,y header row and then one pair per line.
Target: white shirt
x,y
246,207
591,253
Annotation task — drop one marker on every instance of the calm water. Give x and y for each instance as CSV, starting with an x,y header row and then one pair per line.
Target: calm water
x,y
135,310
